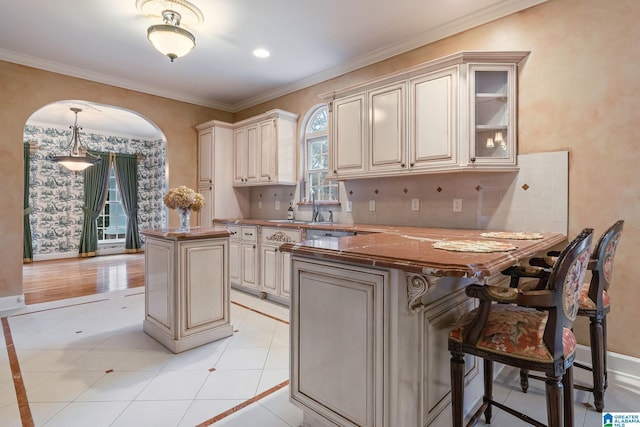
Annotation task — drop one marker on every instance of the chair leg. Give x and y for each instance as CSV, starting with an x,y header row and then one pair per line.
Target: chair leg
x,y
524,380
567,384
488,389
604,350
457,388
553,386
598,356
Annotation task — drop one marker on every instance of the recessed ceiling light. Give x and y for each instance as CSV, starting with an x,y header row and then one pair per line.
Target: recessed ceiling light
x,y
261,53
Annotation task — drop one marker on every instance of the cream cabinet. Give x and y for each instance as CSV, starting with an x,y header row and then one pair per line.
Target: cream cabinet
x,y
275,266
455,113
433,133
243,257
186,288
492,103
347,120
215,174
265,150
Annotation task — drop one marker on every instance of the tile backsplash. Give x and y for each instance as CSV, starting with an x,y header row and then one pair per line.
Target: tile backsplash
x,y
533,199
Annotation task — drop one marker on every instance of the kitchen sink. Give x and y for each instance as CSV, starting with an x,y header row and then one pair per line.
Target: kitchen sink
x,y
289,221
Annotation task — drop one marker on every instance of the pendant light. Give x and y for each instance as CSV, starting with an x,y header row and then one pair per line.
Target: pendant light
x,y
79,158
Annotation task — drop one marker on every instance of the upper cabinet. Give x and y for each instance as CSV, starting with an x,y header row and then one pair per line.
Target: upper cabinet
x,y
455,113
265,149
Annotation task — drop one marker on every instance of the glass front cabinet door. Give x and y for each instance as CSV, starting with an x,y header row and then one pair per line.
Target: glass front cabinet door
x,y
493,114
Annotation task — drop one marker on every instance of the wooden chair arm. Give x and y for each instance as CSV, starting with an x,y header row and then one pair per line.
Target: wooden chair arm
x,y
519,271
542,299
492,293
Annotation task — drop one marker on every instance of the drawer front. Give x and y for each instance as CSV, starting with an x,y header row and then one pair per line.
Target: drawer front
x,y
249,234
235,231
277,236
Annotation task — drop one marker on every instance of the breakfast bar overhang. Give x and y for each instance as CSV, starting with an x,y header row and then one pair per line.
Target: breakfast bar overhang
x,y
370,315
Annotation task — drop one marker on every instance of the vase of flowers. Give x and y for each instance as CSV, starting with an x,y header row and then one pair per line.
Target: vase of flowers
x,y
184,200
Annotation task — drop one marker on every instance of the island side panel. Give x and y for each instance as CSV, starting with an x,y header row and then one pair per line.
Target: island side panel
x,y
337,342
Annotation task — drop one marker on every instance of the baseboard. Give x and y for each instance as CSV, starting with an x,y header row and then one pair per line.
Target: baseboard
x,y
56,255
616,362
12,302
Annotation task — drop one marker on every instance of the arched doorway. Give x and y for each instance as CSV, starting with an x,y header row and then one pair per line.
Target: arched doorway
x,y
56,194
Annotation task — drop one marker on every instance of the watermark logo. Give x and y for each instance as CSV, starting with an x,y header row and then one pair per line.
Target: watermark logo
x,y
621,419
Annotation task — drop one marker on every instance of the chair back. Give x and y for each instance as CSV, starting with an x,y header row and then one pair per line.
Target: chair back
x,y
603,255
565,280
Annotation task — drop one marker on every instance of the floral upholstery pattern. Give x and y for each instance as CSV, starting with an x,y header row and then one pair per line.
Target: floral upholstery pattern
x,y
609,252
573,284
587,303
515,331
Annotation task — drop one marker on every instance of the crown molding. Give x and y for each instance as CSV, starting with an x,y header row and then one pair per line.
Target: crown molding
x,y
56,67
502,9
482,17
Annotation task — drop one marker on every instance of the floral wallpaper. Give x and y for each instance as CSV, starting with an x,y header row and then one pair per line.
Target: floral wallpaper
x,y
56,194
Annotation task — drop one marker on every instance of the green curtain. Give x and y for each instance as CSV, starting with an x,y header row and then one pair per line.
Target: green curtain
x,y
126,167
27,248
96,181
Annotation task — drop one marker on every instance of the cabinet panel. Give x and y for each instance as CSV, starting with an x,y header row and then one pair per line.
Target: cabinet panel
x,y
269,265
240,155
207,211
348,135
159,278
252,154
205,157
267,151
433,122
387,121
235,261
205,285
249,264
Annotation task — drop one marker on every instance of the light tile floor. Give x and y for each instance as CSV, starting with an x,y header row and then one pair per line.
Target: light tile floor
x,y
87,362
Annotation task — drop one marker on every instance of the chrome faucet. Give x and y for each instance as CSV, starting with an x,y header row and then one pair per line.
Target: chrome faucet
x,y
315,212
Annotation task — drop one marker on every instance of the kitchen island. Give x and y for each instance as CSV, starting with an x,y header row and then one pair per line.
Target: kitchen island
x,y
370,316
187,286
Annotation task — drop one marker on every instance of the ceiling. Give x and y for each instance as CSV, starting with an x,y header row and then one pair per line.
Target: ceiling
x,y
309,41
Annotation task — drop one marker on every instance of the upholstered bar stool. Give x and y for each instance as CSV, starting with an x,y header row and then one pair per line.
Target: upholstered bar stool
x,y
594,304
526,329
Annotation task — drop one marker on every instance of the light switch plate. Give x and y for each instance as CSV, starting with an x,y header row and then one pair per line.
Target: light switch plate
x,y
372,205
457,205
415,204
277,205
349,206
260,204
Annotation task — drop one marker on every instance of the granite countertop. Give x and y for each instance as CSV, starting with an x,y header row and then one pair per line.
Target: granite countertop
x,y
410,248
194,234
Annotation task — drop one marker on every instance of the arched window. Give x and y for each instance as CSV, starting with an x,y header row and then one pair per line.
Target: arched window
x,y
316,148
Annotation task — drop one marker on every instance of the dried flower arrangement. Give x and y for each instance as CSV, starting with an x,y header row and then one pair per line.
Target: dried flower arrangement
x,y
183,198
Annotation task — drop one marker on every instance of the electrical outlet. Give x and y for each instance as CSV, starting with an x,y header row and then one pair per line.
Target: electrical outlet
x,y
457,205
349,206
372,205
277,205
415,204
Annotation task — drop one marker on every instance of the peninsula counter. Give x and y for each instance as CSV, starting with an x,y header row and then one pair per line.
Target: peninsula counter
x,y
369,320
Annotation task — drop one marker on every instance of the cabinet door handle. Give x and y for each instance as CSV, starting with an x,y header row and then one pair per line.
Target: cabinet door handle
x,y
411,164
335,171
402,165
473,160
254,246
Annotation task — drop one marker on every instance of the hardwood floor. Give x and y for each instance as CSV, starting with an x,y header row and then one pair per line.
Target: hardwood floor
x,y
45,281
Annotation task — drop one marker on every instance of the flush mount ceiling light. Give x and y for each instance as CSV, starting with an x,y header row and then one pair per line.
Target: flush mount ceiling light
x,y
78,159
169,38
